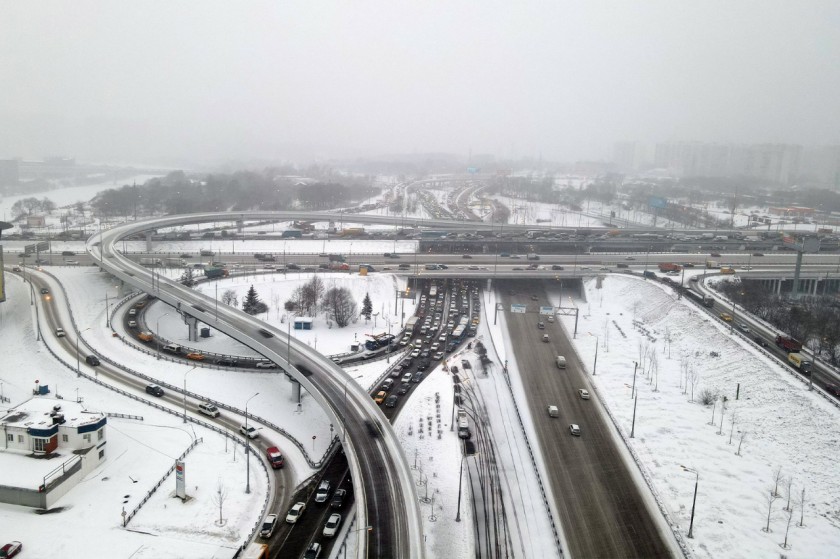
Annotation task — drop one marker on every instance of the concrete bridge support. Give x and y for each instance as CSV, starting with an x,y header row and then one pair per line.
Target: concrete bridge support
x,y
192,327
148,241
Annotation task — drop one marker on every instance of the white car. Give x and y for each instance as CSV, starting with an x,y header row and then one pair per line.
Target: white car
x,y
266,365
295,512
251,432
59,333
574,429
415,353
268,526
331,527
438,356
584,394
629,258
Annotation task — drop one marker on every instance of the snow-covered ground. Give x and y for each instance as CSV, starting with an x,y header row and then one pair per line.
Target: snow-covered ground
x,y
775,420
632,320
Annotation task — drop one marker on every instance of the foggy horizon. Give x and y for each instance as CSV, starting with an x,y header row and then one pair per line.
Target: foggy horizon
x,y
214,82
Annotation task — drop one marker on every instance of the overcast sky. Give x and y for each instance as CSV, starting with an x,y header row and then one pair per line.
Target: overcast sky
x,y
202,81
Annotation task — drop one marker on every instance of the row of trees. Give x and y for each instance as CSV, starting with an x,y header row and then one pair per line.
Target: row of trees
x,y
27,206
815,320
337,302
240,191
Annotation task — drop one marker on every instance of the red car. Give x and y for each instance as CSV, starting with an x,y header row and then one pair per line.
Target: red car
x,y
10,550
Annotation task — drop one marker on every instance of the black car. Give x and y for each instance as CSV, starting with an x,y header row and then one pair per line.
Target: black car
x,y
404,388
418,376
292,266
92,360
338,498
226,362
760,341
154,390
44,291
423,365
391,401
313,551
556,267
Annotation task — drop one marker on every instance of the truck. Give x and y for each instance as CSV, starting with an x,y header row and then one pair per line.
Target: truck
x,y
176,262
151,262
206,252
367,267
727,270
669,267
291,234
799,362
789,344
712,264
707,302
255,551
533,256
339,266
649,274
708,236
215,272
463,425
352,231
411,324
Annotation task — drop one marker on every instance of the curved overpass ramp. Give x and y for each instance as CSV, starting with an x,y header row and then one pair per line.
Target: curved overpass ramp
x,y
382,479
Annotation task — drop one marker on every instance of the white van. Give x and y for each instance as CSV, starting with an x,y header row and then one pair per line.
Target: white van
x,y
561,362
172,348
208,409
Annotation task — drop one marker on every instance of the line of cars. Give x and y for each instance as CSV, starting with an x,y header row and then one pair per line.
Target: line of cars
x,y
323,494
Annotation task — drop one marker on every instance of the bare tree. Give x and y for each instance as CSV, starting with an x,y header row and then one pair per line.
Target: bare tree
x,y
770,497
654,365
777,479
800,502
740,442
229,298
219,498
732,428
339,303
789,487
787,528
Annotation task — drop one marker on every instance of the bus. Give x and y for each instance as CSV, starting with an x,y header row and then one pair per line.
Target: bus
x,y
460,331
377,341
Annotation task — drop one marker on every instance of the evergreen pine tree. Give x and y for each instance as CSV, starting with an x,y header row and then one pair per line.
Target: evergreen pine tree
x,y
367,307
252,304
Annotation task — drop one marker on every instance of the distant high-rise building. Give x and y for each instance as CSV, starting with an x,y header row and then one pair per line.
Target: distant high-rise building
x,y
777,163
9,172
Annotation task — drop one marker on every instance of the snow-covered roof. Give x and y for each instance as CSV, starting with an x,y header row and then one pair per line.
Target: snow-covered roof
x,y
35,413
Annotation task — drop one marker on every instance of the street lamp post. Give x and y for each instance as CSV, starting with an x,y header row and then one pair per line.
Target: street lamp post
x,y
694,501
595,364
185,391
79,335
248,447
157,334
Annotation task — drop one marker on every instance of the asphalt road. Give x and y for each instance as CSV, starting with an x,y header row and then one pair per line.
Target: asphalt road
x,y
602,512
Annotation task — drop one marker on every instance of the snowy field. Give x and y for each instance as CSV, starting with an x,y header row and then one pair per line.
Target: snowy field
x,y
774,421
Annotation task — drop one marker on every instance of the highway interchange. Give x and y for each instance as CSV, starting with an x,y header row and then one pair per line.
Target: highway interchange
x,y
610,504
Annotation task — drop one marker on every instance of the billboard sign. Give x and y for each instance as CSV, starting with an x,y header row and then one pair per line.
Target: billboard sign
x,y
546,310
517,308
657,202
42,246
180,480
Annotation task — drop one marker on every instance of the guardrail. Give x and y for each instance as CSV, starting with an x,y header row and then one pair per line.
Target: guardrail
x,y
127,518
555,530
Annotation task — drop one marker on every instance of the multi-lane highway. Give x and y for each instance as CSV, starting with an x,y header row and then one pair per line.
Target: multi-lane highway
x,y
601,507
382,480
